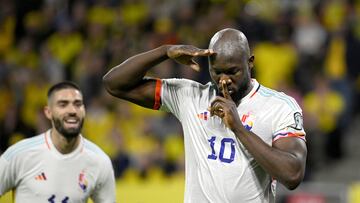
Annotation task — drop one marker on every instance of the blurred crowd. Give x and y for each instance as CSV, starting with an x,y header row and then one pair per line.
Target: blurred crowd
x,y
307,49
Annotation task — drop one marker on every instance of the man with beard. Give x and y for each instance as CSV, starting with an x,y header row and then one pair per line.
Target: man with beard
x,y
240,137
59,165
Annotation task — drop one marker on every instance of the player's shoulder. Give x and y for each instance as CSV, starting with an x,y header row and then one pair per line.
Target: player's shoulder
x,y
279,98
94,150
183,82
24,146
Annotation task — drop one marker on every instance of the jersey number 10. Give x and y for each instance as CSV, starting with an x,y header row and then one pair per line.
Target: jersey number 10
x,y
224,142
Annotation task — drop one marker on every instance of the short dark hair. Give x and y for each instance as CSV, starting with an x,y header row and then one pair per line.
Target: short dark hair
x,y
62,85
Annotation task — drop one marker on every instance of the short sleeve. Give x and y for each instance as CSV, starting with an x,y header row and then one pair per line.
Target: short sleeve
x,y
175,93
289,121
105,187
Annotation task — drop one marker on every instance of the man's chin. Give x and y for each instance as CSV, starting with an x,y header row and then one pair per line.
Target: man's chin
x,y
66,129
71,132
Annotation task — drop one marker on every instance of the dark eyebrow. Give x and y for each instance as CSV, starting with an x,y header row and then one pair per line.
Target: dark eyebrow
x,y
68,101
78,101
63,101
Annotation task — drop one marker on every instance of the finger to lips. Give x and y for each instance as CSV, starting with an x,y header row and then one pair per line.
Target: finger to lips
x,y
225,90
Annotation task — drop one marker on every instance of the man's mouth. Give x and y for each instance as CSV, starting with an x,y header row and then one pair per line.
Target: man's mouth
x,y
72,122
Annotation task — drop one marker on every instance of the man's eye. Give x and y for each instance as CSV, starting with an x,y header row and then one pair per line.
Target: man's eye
x,y
62,104
79,104
218,72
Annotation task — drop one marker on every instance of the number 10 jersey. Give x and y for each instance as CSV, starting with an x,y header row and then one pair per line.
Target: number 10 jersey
x,y
218,168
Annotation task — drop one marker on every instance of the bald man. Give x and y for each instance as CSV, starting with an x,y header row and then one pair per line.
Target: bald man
x,y
240,137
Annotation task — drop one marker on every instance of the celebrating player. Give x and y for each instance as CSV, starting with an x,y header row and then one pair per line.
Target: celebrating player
x,y
59,165
240,137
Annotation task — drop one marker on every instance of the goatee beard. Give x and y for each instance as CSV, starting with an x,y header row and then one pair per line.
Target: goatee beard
x,y
67,133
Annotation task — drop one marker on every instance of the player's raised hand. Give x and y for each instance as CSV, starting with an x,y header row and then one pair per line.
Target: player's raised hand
x,y
225,108
225,90
184,54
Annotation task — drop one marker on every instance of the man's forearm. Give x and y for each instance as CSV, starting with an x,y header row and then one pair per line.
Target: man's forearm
x,y
132,71
281,165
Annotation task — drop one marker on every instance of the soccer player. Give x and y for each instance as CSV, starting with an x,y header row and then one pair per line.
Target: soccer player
x,y
240,137
59,165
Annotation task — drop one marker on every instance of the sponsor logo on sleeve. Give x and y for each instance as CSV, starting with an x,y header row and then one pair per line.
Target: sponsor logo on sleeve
x,y
298,121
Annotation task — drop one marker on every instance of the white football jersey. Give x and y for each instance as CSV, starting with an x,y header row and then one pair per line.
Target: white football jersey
x,y
39,173
218,167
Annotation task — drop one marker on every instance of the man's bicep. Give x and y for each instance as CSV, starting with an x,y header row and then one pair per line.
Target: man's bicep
x,y
293,145
145,93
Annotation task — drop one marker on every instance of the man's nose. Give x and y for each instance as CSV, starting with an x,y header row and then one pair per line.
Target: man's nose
x,y
72,109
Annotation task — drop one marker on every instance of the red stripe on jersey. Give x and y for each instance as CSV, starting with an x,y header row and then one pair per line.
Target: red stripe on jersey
x,y
46,141
157,94
253,94
257,89
289,134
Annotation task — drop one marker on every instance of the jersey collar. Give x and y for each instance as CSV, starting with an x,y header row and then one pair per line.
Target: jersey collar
x,y
50,145
253,91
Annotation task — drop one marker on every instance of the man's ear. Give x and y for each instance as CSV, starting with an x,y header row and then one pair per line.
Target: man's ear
x,y
251,61
47,112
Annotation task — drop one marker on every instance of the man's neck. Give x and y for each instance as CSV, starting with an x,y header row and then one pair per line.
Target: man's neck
x,y
64,145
